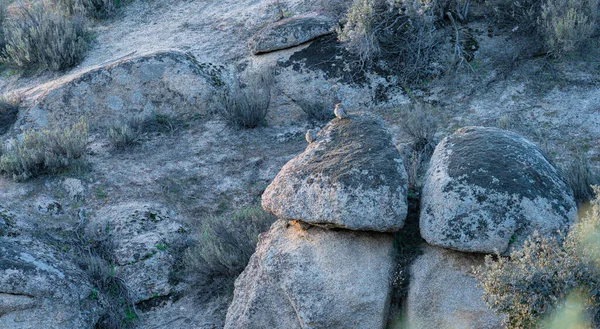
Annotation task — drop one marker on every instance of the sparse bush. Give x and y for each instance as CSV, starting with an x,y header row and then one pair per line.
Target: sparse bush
x,y
421,126
45,151
579,175
246,106
95,255
92,8
401,33
536,280
40,36
224,244
318,106
123,135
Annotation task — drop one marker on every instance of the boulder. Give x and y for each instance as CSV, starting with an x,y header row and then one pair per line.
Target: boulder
x,y
314,278
290,32
443,293
488,189
351,177
167,83
39,289
143,238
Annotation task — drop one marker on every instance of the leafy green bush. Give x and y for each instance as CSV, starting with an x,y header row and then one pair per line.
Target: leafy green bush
x,y
45,151
535,281
247,106
224,244
40,36
401,33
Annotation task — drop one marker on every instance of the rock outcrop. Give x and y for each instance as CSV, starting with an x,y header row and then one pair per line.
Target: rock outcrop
x,y
314,278
40,290
488,189
143,237
290,32
443,293
167,83
350,177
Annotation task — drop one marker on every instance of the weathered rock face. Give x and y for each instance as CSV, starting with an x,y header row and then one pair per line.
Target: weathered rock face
x,y
488,189
143,236
39,290
168,83
350,177
316,278
290,32
443,293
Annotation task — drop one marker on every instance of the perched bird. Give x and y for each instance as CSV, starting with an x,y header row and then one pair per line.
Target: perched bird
x,y
339,111
311,135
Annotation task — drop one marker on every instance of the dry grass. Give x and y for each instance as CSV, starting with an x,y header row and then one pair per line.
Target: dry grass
x,y
224,244
247,105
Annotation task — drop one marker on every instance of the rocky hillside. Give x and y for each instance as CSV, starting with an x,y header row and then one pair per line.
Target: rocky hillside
x,y
189,170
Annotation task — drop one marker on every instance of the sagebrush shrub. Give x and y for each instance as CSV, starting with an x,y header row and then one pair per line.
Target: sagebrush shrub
x,y
45,151
122,135
224,244
247,106
566,24
580,177
39,35
561,25
536,280
92,8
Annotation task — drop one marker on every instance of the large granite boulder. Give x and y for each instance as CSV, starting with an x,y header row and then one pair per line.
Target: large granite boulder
x,y
290,32
39,289
314,278
143,236
169,83
443,293
488,189
351,177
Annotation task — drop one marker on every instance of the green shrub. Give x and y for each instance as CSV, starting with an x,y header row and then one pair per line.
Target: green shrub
x,y
40,36
403,34
91,8
224,244
567,24
45,151
535,281
247,106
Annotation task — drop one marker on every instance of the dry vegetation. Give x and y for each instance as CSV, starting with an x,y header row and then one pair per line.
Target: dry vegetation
x,y
534,282
45,151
